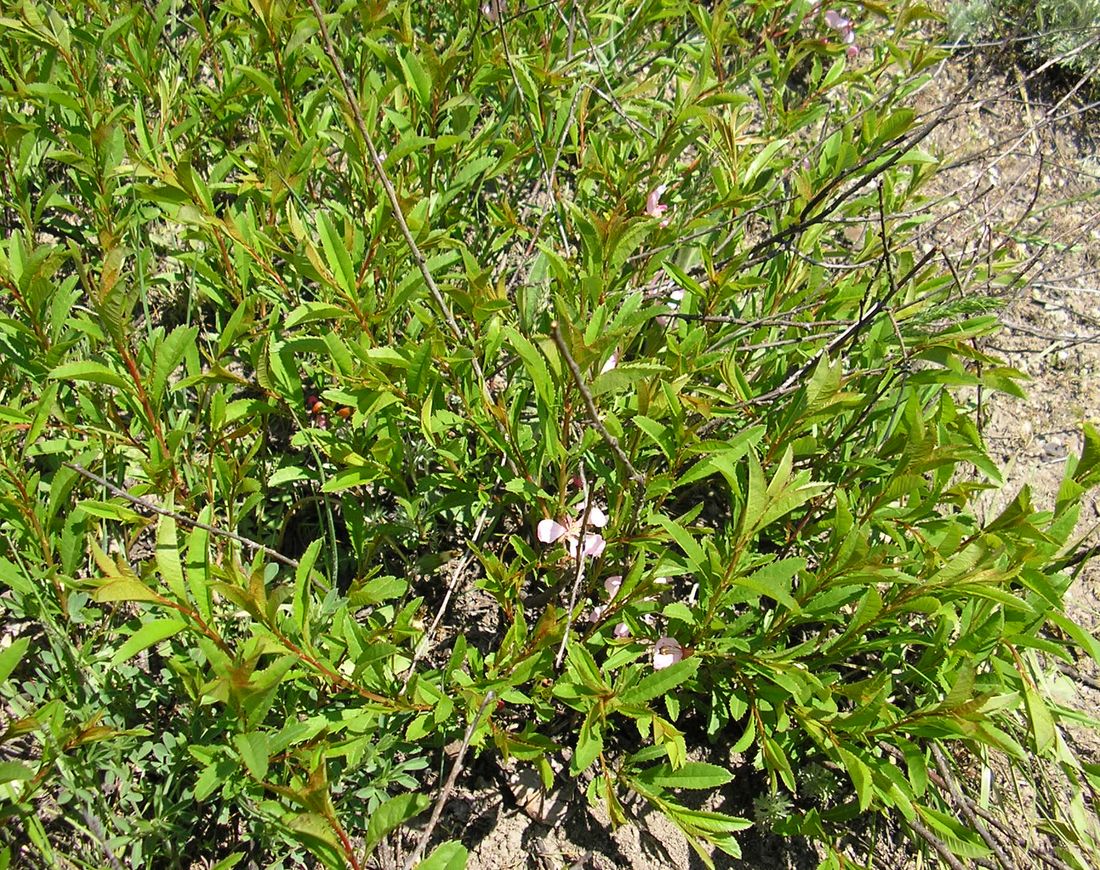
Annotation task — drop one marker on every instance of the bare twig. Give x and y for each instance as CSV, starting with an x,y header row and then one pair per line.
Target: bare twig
x,y
578,574
1075,674
965,807
1008,834
590,404
181,518
936,843
521,96
837,343
380,172
456,574
448,786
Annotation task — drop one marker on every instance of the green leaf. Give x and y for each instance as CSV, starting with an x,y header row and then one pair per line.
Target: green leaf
x,y
14,771
861,778
392,813
693,775
774,580
12,656
108,510
417,79
660,682
535,364
763,159
657,432
450,855
336,255
150,633
1042,722
89,371
253,748
696,559
168,557
302,588
124,589
589,743
169,354
198,565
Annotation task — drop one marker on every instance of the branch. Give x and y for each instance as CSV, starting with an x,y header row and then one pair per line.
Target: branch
x,y
448,786
590,404
181,518
936,843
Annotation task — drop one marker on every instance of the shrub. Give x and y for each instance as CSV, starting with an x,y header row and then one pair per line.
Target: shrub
x,y
1065,32
612,315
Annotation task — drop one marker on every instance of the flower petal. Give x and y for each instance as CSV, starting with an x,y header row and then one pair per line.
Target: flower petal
x,y
594,545
612,585
550,531
621,630
597,517
666,652
653,206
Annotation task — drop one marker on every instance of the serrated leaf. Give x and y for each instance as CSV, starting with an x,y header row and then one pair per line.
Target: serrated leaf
x,y
336,255
124,589
1042,722
589,743
660,682
300,608
169,354
253,748
774,580
861,778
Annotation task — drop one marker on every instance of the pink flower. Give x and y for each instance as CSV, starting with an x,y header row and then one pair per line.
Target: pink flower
x,y
837,21
612,361
666,652
845,28
493,10
597,613
612,584
653,205
621,631
550,531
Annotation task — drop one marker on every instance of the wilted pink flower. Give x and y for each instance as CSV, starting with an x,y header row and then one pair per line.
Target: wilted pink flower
x,y
844,26
550,531
621,630
653,205
493,10
667,651
612,584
